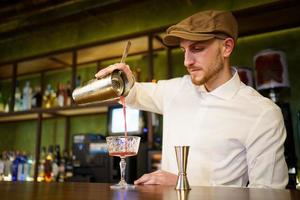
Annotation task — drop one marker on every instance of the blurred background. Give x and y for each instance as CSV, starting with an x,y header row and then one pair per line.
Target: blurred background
x,y
50,47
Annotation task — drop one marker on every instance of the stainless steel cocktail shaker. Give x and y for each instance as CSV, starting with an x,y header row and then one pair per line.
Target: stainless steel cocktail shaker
x,y
108,88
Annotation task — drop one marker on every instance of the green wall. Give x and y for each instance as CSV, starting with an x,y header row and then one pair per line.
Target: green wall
x,y
8,136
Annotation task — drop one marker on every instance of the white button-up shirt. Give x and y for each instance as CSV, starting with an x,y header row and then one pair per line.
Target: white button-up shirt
x,y
235,134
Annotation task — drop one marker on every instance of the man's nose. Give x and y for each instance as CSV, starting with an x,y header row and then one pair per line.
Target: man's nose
x,y
188,59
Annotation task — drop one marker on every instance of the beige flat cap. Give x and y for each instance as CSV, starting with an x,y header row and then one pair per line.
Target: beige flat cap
x,y
202,26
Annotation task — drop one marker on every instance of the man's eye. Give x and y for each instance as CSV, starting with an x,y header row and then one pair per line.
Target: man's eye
x,y
197,49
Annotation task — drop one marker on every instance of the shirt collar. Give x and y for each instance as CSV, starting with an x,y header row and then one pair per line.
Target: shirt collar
x,y
226,90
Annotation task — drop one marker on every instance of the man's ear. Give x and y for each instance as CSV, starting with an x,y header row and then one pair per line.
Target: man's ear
x,y
228,45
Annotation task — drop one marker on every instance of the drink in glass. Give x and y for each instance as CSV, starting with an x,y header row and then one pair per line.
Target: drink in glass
x,y
123,146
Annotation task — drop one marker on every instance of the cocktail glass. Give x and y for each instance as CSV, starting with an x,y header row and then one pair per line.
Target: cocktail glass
x,y
123,146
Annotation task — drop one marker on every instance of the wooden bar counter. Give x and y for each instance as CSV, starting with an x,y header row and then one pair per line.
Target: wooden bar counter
x,y
100,191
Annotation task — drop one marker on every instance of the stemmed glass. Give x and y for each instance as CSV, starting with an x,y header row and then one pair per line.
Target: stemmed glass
x,y
123,146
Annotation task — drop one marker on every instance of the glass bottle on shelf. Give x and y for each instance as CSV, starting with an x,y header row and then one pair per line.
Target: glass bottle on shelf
x,y
48,164
68,94
2,167
6,107
18,98
60,95
56,163
2,104
68,164
27,92
78,81
8,158
15,166
61,176
22,167
53,98
46,97
30,168
65,94
41,167
36,101
49,98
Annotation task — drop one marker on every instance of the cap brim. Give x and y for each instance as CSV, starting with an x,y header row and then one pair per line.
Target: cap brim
x,y
173,39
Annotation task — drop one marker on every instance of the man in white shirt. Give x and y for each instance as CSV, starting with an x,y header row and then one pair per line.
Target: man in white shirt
x,y
235,135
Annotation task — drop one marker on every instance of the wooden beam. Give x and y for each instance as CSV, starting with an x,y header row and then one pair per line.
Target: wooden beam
x,y
159,39
60,61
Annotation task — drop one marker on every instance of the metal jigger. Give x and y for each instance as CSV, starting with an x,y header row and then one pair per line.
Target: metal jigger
x,y
182,153
182,194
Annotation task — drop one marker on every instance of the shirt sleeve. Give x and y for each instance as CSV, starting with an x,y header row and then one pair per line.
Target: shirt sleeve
x,y
265,151
147,96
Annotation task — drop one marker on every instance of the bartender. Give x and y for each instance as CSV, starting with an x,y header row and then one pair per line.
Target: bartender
x,y
235,135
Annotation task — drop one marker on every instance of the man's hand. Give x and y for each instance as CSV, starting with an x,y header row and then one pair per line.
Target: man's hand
x,y
157,178
108,70
120,66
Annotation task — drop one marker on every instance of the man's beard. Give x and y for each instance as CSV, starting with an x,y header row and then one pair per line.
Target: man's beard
x,y
212,70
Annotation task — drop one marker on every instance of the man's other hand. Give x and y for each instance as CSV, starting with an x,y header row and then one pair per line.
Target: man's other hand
x,y
157,178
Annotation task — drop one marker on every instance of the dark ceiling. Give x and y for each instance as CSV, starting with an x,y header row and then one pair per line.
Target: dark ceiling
x,y
16,15
21,15
13,8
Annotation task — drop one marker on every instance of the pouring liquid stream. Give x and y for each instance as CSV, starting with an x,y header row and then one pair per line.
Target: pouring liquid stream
x,y
122,99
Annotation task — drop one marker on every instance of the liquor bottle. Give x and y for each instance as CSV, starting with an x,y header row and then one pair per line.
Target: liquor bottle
x,y
68,164
61,175
2,167
49,98
55,171
57,154
7,166
41,167
27,92
48,164
65,95
56,164
1,103
22,167
78,81
53,98
18,98
30,168
15,166
6,107
68,94
46,97
36,101
60,95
